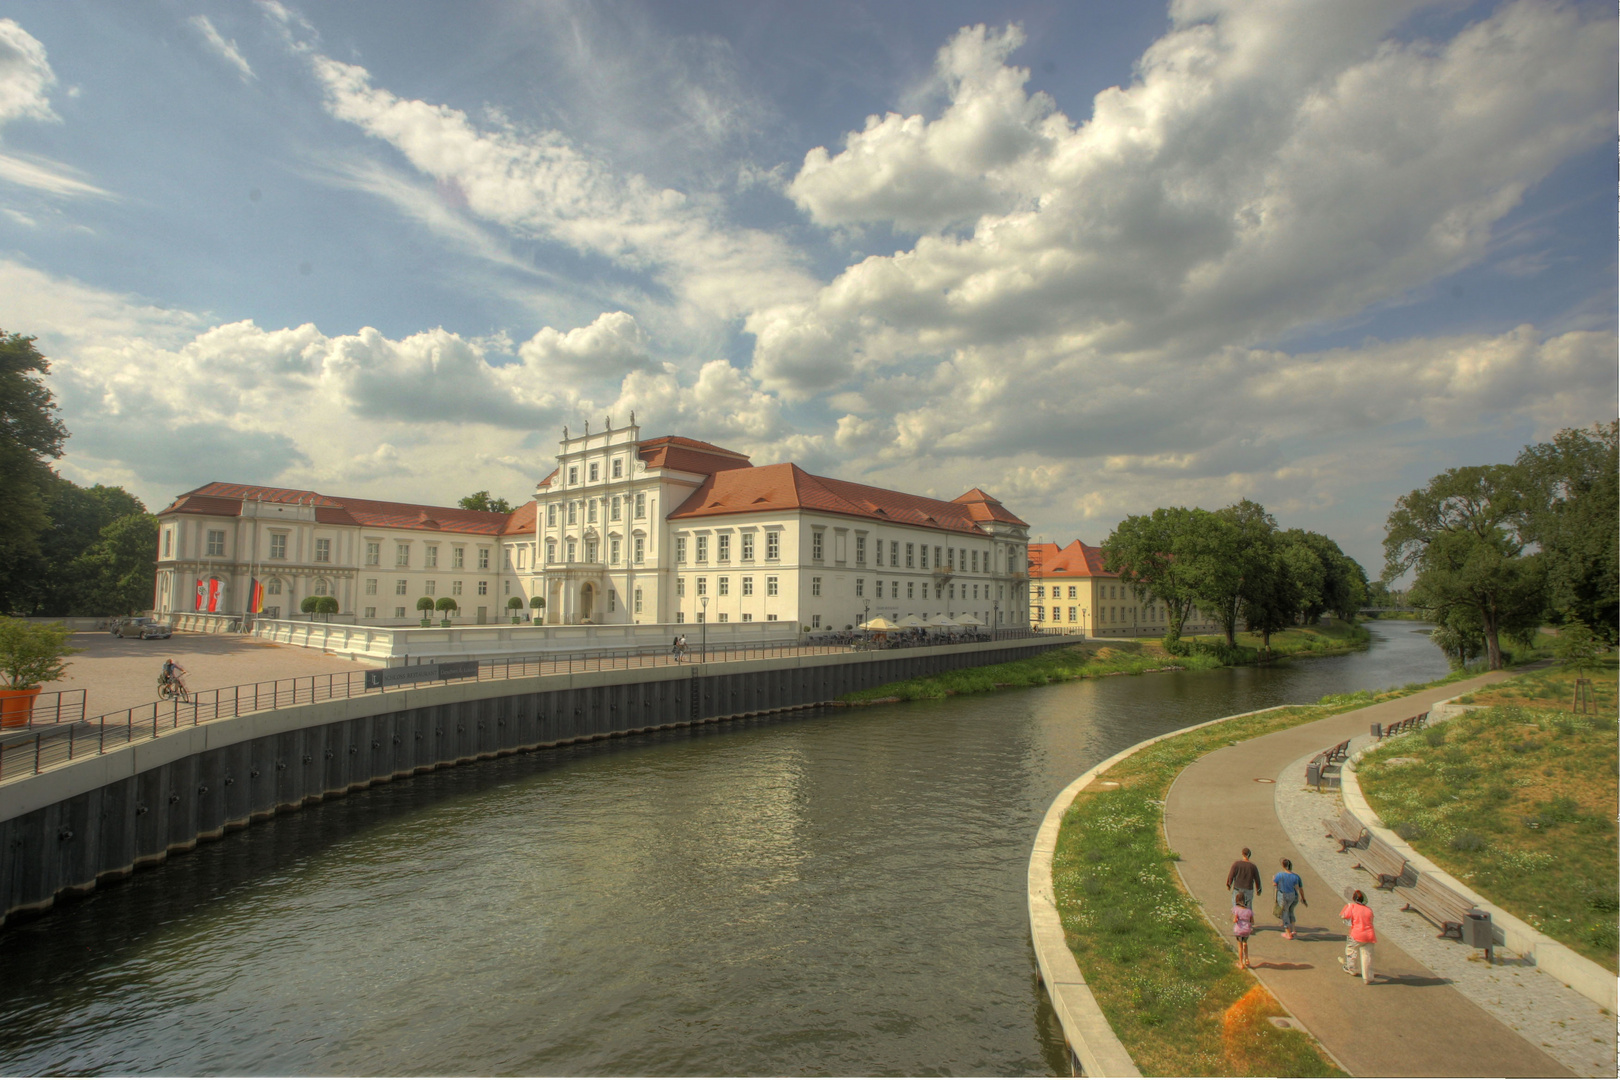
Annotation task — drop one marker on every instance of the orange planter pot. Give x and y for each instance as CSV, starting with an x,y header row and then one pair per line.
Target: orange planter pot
x,y
17,706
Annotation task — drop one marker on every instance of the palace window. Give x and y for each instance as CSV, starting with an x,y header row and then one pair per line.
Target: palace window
x,y
723,543
638,599
551,514
641,549
680,549
458,558
399,587
590,551
455,588
911,558
860,586
399,613
724,617
593,470
371,613
680,586
402,554
573,550
815,622
748,547
910,591
168,542
613,550
618,468
702,549
551,551
483,588
432,559
641,504
773,545
323,551
613,509
748,586
724,586
216,542
1071,616
771,586
894,553
278,547
747,617
770,618
573,512
923,562
429,587
879,591
371,586
703,586
816,545
590,511
860,551
815,586
573,474
613,600
320,588
274,588
1040,613
483,558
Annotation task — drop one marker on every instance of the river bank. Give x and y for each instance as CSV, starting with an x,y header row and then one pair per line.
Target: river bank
x,y
1094,658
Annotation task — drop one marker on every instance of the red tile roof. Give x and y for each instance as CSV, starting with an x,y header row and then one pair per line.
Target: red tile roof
x,y
985,507
777,488
1078,560
225,500
521,521
690,455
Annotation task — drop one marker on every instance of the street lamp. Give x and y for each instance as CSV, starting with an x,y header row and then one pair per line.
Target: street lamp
x,y
704,600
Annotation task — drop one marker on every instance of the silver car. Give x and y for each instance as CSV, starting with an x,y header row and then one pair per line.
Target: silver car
x,y
144,629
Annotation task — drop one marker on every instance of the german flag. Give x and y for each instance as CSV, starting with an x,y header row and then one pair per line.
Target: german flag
x,y
256,597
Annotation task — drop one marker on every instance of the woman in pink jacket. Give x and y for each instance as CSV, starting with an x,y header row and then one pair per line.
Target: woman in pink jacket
x,y
1360,939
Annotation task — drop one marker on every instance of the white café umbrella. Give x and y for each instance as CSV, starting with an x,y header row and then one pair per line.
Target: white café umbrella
x,y
968,620
944,622
879,623
911,622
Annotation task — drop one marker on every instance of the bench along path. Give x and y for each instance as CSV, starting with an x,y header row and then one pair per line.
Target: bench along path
x,y
1409,1022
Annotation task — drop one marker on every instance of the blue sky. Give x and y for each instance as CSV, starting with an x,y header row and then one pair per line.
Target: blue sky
x,y
1091,257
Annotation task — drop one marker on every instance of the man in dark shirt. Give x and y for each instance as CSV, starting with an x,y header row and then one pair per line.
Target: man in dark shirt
x,y
1244,881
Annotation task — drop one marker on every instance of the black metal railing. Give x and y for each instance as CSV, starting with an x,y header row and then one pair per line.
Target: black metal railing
x,y
50,707
25,752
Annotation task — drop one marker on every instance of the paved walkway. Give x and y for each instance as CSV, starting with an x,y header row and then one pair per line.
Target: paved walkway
x,y
1410,1022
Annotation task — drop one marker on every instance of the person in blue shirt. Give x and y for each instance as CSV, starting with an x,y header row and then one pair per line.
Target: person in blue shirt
x,y
1290,892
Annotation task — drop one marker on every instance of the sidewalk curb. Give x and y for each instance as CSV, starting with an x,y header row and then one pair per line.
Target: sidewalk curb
x,y
1586,977
1093,1047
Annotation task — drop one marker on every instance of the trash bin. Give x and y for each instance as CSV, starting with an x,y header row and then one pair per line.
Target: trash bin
x,y
1478,932
1377,731
1313,773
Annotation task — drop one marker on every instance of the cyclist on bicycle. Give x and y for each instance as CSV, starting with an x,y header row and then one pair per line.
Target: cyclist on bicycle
x,y
170,678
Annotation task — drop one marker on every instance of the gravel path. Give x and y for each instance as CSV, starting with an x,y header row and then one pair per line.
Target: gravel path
x,y
1570,1028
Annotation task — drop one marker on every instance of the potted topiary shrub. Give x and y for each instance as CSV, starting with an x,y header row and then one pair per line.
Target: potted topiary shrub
x,y
31,654
513,603
425,606
327,606
538,603
308,606
447,604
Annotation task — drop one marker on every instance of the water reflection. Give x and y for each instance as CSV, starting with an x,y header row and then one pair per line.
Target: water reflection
x,y
830,894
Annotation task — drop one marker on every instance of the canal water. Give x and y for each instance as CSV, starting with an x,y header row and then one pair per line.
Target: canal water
x,y
840,893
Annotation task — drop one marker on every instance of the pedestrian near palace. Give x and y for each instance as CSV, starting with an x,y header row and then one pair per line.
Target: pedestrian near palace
x,y
1244,881
1242,927
1290,892
1361,939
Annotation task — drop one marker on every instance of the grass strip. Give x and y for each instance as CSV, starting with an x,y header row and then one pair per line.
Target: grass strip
x,y
1164,978
1095,659
1517,799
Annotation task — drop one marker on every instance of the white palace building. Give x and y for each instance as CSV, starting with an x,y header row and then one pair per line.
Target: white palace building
x,y
660,531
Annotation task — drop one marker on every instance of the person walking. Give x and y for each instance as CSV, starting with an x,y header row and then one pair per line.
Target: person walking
x,y
1242,927
675,648
1244,881
1290,892
1361,939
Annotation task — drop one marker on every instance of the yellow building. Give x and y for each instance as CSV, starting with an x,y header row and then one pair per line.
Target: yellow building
x,y
1071,593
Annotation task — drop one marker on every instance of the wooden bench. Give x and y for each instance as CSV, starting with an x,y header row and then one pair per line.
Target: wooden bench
x,y
1382,862
1327,765
1400,727
1436,903
1346,830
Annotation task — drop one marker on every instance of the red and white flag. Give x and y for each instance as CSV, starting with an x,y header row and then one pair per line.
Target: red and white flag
x,y
202,594
215,588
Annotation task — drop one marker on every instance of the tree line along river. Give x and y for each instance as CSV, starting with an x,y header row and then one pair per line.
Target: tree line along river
x,y
825,893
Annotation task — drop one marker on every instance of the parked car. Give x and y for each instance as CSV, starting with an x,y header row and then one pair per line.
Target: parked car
x,y
114,624
143,628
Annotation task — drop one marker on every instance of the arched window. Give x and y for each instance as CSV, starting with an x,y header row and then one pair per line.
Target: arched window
x,y
320,587
274,588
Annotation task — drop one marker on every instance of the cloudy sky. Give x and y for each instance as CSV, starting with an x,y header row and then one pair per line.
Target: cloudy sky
x,y
1093,257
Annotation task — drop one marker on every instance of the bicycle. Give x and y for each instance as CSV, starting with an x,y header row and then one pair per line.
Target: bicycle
x,y
168,689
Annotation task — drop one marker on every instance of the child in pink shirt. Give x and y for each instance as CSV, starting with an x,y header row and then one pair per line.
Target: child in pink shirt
x,y
1242,927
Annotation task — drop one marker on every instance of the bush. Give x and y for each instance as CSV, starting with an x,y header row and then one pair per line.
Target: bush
x,y
32,654
1467,841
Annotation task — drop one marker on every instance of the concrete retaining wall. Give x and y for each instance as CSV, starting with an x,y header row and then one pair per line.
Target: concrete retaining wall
x,y
99,818
1589,979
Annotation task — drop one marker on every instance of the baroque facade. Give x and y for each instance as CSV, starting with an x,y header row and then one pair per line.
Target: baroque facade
x,y
1071,592
624,530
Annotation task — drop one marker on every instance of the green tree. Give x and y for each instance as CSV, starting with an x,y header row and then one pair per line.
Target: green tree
x,y
1459,535
32,654
1577,646
1233,562
1336,584
447,604
480,500
120,568
30,435
1571,493
1153,553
